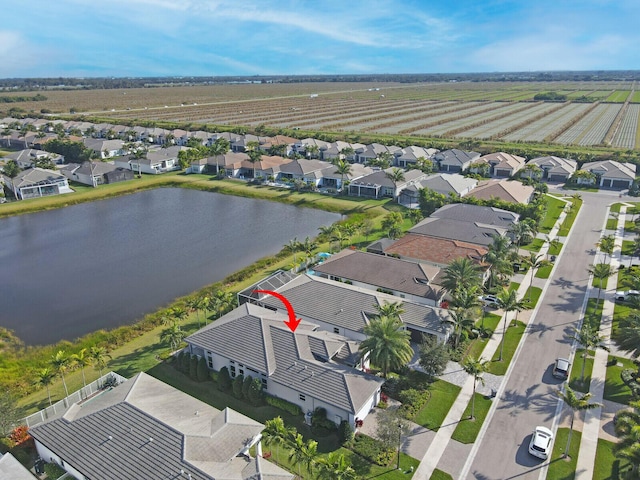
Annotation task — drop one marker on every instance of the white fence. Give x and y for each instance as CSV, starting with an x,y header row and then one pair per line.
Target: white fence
x,y
109,379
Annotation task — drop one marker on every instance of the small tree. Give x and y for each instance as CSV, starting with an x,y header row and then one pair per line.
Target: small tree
x,y
193,367
255,394
237,386
434,356
345,432
202,373
224,380
475,368
10,413
246,386
391,426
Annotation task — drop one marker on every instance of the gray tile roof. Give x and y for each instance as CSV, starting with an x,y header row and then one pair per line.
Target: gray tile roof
x,y
476,213
12,469
555,164
471,232
455,157
611,169
346,306
385,272
258,338
136,431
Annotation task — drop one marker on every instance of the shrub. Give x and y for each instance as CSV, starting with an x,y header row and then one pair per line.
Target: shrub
x,y
53,470
255,394
246,385
412,402
320,413
185,361
237,386
345,432
224,380
372,449
289,407
629,378
202,373
193,367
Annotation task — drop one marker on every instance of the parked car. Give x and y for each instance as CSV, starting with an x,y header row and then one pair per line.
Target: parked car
x,y
540,445
623,295
561,368
489,300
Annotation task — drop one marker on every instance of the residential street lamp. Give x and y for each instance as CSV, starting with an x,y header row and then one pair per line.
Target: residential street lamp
x,y
399,443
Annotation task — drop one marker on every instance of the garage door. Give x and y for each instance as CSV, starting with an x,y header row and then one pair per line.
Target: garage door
x,y
620,184
557,178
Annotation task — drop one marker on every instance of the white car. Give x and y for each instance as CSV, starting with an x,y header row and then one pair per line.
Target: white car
x,y
540,445
489,300
622,295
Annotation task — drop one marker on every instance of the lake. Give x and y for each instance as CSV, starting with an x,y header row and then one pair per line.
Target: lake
x,y
74,270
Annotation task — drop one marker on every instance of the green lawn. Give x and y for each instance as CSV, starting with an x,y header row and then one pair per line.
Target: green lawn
x,y
443,394
570,218
628,247
554,209
534,246
476,346
564,468
468,429
511,341
576,371
612,223
607,467
598,283
614,389
532,295
544,272
593,312
440,475
615,208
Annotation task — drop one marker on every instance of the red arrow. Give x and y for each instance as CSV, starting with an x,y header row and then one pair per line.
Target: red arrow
x,y
293,322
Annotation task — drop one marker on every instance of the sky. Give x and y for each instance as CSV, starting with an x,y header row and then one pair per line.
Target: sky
x,y
140,38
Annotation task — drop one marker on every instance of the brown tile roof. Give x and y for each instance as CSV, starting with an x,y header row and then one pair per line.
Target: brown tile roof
x,y
509,191
440,251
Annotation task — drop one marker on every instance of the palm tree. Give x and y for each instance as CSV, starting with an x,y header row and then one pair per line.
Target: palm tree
x,y
461,321
336,467
44,378
520,231
172,335
294,247
192,305
308,246
508,301
275,433
61,363
460,273
601,272
498,258
606,245
255,156
390,309
396,175
534,262
627,428
203,306
554,244
576,404
303,453
589,338
387,343
218,149
311,151
224,301
343,167
99,358
628,337
82,360
475,368
178,314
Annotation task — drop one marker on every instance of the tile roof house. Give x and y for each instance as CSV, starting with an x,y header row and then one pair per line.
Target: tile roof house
x,y
443,183
612,174
506,190
374,150
455,160
96,173
476,213
154,162
554,169
309,171
309,367
332,179
146,429
12,469
105,148
344,309
26,158
378,185
412,281
470,232
436,251
502,164
408,156
37,182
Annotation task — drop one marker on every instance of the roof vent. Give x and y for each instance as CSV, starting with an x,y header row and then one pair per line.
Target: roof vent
x,y
197,413
109,437
150,439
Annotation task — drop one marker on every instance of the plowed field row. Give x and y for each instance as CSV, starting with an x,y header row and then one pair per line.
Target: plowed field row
x,y
537,131
591,129
627,134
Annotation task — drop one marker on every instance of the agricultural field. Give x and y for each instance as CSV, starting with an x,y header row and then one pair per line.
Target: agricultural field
x,y
503,111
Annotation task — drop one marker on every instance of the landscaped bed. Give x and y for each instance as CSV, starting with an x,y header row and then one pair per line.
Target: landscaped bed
x,y
468,428
576,371
559,466
614,388
511,341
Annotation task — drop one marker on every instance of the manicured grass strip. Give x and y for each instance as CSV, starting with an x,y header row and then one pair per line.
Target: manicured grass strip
x,y
612,223
443,394
554,209
576,371
511,341
564,468
477,345
514,286
544,272
614,388
593,312
534,246
628,247
570,218
440,475
532,295
615,208
468,429
607,466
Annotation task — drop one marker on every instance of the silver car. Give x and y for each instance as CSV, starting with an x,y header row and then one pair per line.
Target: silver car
x,y
561,368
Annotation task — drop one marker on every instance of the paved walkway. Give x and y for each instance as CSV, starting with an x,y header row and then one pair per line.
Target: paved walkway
x,y
433,457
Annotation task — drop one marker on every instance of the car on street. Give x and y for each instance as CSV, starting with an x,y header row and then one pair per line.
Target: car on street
x,y
623,295
489,300
540,445
561,368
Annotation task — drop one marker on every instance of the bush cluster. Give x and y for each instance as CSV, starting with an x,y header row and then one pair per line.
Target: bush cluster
x,y
412,402
192,365
373,450
629,377
289,407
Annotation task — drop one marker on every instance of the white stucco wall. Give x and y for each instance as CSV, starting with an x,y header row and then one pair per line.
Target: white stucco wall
x,y
49,456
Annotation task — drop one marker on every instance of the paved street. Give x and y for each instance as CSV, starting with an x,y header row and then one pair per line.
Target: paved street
x,y
528,398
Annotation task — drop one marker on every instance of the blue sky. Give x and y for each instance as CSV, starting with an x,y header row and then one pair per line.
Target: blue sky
x,y
45,38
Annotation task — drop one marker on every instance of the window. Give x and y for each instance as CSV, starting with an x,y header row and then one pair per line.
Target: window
x,y
302,397
232,369
264,383
336,330
209,362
